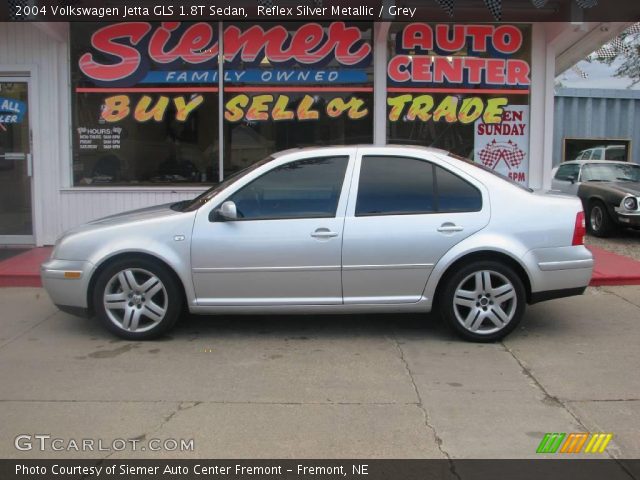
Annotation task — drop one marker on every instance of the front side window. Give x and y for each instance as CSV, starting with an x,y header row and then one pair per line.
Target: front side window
x,y
568,172
308,188
402,186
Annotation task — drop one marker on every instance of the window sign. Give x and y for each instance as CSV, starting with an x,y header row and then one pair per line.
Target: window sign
x,y
449,85
504,146
146,96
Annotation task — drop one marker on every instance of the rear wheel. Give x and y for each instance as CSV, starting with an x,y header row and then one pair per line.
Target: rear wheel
x,y
600,223
483,301
137,299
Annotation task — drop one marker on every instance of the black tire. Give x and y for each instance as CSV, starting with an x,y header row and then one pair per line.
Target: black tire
x,y
150,324
480,309
599,222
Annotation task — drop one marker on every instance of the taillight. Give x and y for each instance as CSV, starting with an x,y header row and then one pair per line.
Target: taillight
x,y
579,230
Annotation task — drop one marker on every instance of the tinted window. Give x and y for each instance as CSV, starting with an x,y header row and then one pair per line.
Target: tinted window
x,y
455,194
301,189
396,186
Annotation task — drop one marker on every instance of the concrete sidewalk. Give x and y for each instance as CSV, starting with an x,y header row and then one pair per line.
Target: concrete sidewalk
x,y
324,387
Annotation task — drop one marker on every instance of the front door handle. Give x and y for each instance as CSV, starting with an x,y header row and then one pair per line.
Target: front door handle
x,y
323,233
449,227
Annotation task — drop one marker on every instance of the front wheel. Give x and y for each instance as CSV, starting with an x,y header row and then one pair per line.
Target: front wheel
x,y
137,299
483,301
600,223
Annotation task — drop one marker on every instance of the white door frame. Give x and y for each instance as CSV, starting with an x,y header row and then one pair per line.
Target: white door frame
x,y
28,74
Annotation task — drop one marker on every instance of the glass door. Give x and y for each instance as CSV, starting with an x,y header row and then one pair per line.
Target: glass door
x,y
16,226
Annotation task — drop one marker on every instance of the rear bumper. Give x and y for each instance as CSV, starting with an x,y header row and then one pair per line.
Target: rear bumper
x,y
553,294
558,272
67,282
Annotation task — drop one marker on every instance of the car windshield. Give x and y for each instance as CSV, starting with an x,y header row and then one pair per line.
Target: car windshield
x,y
610,172
204,197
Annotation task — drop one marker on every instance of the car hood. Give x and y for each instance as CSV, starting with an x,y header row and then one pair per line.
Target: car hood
x,y
141,214
626,188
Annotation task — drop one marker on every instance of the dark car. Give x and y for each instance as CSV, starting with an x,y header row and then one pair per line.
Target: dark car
x,y
610,192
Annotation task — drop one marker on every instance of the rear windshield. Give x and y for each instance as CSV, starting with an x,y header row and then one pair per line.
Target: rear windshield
x,y
491,171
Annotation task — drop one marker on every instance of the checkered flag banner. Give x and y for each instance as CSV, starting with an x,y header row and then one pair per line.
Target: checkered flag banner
x,y
578,71
539,3
618,45
587,3
495,7
447,5
494,152
265,3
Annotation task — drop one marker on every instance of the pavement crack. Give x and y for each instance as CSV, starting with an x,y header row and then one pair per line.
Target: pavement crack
x,y
423,409
553,400
621,297
32,327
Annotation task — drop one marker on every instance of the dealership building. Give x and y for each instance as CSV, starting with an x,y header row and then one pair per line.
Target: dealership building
x,y
98,118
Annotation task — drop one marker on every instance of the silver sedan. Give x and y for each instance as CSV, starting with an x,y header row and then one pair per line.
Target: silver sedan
x,y
331,230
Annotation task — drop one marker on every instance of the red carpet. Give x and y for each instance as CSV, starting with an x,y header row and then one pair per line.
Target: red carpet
x,y
614,269
23,270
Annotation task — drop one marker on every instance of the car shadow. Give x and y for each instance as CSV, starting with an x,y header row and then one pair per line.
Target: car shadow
x,y
311,326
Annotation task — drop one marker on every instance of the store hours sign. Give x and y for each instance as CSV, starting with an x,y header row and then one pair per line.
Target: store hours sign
x,y
504,146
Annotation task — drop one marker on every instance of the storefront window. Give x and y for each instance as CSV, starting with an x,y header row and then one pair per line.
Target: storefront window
x,y
313,88
145,96
597,149
463,88
145,106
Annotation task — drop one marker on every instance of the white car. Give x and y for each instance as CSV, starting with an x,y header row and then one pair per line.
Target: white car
x,y
331,230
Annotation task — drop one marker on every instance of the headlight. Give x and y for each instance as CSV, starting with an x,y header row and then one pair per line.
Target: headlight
x,y
630,203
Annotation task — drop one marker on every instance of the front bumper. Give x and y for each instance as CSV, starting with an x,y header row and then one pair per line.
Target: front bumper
x,y
67,282
628,219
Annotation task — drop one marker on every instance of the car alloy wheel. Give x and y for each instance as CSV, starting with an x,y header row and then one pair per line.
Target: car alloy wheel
x,y
482,300
135,300
485,302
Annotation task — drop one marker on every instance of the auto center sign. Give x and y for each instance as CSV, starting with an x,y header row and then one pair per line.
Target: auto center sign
x,y
475,66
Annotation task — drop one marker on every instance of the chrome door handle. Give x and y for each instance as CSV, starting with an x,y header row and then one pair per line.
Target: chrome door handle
x,y
323,233
450,228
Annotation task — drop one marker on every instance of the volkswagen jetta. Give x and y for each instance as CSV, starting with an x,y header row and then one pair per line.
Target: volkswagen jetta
x,y
331,230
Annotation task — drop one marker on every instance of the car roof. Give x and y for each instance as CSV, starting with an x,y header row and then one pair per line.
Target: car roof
x,y
419,148
589,162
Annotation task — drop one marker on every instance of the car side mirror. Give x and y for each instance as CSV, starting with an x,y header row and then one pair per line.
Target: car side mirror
x,y
572,179
226,212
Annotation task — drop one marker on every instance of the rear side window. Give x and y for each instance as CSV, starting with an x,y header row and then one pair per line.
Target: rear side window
x,y
455,194
404,186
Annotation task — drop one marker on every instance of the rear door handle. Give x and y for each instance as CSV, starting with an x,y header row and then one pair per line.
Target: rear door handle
x,y
323,233
450,228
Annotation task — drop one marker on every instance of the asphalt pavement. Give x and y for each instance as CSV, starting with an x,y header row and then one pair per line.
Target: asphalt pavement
x,y
368,386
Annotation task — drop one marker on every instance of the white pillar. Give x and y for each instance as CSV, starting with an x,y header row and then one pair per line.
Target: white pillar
x,y
541,108
380,38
